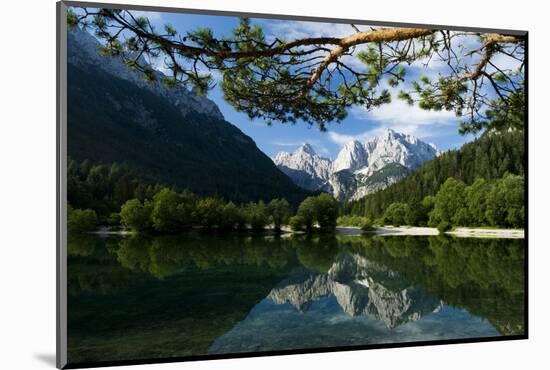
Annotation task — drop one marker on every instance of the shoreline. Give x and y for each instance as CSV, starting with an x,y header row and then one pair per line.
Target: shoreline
x,y
106,231
461,232
466,232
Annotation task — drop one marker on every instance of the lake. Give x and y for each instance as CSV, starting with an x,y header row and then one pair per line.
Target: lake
x,y
191,295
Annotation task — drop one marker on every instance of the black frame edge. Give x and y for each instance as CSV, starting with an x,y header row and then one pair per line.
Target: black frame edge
x,y
61,191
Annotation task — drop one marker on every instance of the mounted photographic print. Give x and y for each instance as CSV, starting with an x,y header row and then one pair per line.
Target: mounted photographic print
x,y
235,185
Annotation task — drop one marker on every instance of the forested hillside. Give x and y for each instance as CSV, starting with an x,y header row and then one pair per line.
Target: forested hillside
x,y
489,157
164,136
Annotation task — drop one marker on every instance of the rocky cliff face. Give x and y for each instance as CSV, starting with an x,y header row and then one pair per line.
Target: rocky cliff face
x,y
83,51
361,287
394,147
353,156
359,168
305,167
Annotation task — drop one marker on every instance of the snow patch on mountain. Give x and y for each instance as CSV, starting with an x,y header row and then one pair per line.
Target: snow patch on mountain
x,y
360,168
305,167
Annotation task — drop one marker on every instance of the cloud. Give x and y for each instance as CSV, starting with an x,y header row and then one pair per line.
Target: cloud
x,y
504,62
160,64
342,139
154,17
302,29
291,30
400,117
408,119
288,143
400,112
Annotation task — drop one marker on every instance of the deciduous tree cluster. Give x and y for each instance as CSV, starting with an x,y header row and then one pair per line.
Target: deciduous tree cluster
x,y
498,203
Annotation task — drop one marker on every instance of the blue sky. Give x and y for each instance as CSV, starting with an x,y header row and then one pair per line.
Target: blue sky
x,y
439,128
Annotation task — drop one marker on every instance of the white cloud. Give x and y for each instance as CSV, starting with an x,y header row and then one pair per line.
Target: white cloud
x,y
288,143
154,17
301,29
409,119
341,139
291,30
399,111
400,117
504,62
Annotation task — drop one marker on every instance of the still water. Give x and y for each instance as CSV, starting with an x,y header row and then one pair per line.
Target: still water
x,y
143,298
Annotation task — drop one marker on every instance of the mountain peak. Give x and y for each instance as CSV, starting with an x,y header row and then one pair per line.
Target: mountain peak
x,y
307,148
353,156
304,167
346,176
82,51
390,133
353,144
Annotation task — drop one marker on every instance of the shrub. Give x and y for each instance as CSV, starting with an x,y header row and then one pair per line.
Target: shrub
x,y
230,216
166,214
256,213
449,201
81,220
307,211
136,215
326,211
114,219
209,211
367,224
297,223
322,209
444,226
505,202
279,212
395,213
349,220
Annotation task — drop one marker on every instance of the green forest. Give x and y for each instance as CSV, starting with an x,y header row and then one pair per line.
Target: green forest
x,y
113,196
480,184
194,151
497,203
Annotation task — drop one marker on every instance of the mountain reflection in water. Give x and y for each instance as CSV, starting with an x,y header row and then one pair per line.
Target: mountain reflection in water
x,y
132,298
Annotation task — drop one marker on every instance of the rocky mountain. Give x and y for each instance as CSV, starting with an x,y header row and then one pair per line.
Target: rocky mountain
x,y
361,287
305,167
360,168
169,136
353,156
83,50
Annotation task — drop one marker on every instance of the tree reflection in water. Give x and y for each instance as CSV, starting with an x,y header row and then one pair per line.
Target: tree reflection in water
x,y
138,297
